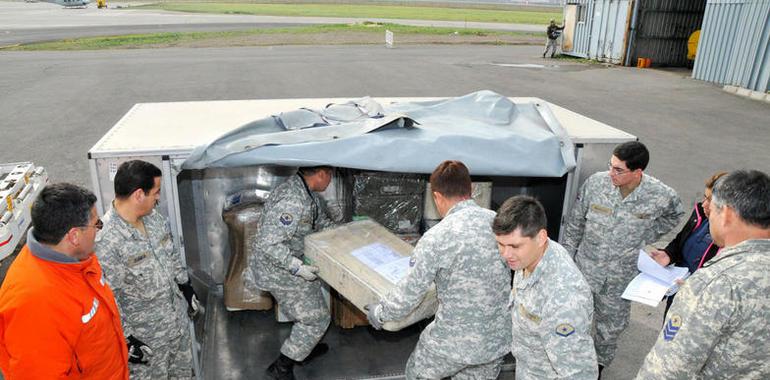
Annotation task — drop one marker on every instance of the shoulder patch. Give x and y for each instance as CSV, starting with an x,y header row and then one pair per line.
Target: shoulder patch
x,y
286,219
565,330
672,327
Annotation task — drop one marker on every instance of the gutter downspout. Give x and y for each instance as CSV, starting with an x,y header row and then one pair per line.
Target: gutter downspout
x,y
632,33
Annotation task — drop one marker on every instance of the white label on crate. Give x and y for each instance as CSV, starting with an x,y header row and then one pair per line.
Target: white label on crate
x,y
113,167
383,260
395,270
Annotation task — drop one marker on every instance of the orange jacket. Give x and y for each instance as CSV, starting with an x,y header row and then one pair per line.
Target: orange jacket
x,y
59,321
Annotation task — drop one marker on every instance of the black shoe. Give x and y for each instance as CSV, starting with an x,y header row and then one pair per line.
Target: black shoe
x,y
281,369
318,350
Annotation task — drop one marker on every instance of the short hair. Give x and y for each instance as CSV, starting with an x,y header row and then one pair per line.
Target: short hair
x,y
133,175
58,208
523,212
633,153
748,193
451,179
311,170
713,179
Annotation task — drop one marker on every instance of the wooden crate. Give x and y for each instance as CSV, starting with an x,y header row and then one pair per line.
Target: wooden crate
x,y
346,315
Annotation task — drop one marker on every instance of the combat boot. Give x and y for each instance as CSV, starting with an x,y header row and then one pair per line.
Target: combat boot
x,y
281,369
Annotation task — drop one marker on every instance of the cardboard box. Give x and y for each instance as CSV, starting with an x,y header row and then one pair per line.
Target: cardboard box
x,y
240,293
362,261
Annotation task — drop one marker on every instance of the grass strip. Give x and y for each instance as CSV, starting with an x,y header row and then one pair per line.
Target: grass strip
x,y
180,38
538,17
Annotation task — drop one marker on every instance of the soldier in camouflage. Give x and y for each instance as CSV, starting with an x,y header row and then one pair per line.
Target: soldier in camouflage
x,y
617,213
471,330
146,273
292,212
550,304
717,326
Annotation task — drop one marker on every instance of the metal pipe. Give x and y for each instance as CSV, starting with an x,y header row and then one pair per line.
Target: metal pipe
x,y
23,194
6,217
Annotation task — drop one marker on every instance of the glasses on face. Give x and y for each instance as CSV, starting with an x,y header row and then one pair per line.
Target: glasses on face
x,y
98,224
616,170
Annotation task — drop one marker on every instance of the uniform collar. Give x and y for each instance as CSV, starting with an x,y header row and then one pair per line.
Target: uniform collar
x,y
460,206
121,225
43,252
642,185
751,246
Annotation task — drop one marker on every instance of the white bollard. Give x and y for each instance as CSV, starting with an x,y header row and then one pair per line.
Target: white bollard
x,y
388,39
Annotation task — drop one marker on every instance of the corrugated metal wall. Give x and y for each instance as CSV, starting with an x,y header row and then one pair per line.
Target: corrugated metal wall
x,y
734,45
662,30
600,29
581,35
620,31
609,30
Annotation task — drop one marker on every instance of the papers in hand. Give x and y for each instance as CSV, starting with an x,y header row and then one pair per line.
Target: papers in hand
x,y
653,282
383,260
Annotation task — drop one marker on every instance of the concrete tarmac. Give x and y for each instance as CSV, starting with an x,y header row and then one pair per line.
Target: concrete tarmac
x,y
55,105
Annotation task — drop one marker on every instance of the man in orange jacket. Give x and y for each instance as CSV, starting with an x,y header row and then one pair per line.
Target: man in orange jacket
x,y
58,317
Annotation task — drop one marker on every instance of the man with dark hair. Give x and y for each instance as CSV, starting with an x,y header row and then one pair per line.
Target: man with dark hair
x,y
717,326
470,333
146,272
135,175
293,211
58,317
617,213
550,305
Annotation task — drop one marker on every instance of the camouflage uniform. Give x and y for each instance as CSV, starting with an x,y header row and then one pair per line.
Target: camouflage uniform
x,y
717,326
291,213
144,271
604,235
471,329
552,310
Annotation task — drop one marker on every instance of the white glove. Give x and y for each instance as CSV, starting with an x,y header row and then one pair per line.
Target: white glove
x,y
196,306
307,272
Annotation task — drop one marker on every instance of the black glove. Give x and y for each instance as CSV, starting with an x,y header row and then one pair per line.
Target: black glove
x,y
193,305
138,351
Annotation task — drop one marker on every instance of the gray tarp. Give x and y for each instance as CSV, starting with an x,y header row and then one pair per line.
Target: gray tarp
x,y
488,132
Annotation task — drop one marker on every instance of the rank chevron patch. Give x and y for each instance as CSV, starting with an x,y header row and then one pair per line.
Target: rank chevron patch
x,y
672,327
